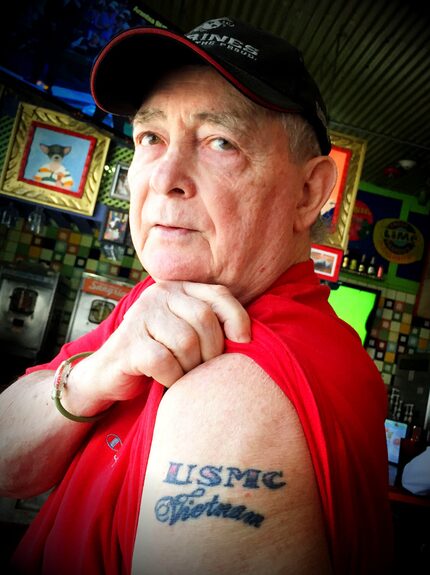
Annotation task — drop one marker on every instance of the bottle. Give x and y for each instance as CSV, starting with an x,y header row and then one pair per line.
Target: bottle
x,y
353,264
380,272
345,260
371,270
362,266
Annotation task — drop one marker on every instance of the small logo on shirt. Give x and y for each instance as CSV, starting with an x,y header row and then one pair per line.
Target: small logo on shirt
x,y
114,442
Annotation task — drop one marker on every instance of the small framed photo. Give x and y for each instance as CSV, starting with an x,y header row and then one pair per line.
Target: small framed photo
x,y
327,261
115,228
120,189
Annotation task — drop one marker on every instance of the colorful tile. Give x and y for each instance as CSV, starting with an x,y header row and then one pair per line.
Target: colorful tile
x,y
75,238
387,314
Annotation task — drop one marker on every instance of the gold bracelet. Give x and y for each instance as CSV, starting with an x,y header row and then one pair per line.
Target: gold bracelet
x,y
60,382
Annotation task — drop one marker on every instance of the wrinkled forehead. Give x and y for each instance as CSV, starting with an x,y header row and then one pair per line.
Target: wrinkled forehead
x,y
207,84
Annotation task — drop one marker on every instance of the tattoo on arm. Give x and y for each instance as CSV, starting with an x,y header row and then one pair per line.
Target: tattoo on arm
x,y
184,506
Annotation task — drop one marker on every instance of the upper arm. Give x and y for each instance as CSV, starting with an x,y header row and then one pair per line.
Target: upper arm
x,y
229,486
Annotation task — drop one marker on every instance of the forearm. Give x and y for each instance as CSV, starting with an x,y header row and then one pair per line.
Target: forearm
x,y
36,441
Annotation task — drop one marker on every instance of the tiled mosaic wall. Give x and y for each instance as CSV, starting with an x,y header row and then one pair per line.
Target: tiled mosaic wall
x,y
395,330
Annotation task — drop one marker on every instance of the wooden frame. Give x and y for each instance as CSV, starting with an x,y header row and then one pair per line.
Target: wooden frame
x,y
327,261
348,152
119,189
115,227
54,160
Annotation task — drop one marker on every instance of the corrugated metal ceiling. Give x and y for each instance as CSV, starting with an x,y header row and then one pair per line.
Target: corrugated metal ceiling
x,y
371,59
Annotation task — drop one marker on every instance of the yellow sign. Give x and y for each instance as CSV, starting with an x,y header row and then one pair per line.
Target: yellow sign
x,y
398,241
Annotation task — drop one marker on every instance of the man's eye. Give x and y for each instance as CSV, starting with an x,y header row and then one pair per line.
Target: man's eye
x,y
221,144
148,139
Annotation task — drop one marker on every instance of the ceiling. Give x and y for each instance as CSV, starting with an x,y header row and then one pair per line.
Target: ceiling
x,y
371,60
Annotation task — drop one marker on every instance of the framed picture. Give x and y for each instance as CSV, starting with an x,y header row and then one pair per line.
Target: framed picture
x,y
120,189
115,227
327,261
54,160
348,153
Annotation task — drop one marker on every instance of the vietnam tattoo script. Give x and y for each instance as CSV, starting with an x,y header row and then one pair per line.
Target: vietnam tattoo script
x,y
183,507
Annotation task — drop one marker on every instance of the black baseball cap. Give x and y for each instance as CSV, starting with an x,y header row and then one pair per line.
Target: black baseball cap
x,y
265,68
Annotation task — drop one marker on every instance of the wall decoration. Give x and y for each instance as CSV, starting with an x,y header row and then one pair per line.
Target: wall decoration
x,y
398,241
348,153
54,160
120,189
115,227
326,261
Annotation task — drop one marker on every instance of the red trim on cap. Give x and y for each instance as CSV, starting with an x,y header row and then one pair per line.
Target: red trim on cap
x,y
195,48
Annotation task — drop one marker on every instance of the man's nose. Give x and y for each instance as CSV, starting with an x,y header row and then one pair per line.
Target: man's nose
x,y
172,173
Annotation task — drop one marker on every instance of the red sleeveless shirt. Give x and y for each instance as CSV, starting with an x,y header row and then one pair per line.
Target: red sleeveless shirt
x,y
88,524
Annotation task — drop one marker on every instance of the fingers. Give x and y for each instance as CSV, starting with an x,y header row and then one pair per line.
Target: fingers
x,y
160,363
173,331
204,325
175,326
231,314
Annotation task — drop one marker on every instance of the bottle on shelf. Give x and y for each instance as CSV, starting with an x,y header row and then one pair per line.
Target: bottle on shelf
x,y
345,260
353,263
362,265
371,270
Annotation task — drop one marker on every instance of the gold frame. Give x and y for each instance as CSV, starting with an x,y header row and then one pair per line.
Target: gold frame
x,y
89,160
354,150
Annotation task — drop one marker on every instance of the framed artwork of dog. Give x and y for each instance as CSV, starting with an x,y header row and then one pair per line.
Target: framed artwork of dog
x,y
54,160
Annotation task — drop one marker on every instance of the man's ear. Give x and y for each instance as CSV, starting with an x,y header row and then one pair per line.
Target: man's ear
x,y
320,175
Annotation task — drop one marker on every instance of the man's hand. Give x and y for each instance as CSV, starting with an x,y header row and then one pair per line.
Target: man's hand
x,y
172,328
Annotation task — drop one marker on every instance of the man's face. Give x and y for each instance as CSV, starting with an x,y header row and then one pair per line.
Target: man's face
x,y
213,191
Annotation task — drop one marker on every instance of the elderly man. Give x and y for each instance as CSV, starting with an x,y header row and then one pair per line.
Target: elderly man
x,y
267,453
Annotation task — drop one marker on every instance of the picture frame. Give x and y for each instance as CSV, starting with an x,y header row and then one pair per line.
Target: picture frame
x,y
327,261
54,160
115,226
120,189
348,152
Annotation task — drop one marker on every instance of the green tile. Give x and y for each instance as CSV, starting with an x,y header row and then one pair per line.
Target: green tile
x,y
136,265
51,232
127,261
69,259
83,251
383,334
26,238
86,241
46,254
67,270
8,257
91,265
22,250
61,246
103,267
14,235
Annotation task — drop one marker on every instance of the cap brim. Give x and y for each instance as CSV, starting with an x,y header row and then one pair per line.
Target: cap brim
x,y
126,69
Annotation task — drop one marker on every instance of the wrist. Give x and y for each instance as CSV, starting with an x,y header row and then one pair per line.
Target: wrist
x,y
68,395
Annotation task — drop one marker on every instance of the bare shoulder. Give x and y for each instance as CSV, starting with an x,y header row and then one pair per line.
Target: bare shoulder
x,y
230,486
